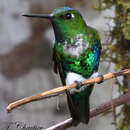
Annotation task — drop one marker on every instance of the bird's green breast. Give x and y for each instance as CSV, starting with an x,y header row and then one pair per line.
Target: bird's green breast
x,y
85,61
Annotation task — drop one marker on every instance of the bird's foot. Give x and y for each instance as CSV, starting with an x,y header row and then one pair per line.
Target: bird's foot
x,y
76,89
102,78
79,85
95,75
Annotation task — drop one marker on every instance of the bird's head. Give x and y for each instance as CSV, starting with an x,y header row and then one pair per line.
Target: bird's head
x,y
66,21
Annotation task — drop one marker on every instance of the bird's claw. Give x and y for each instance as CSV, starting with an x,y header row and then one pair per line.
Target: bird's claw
x,y
102,78
79,85
74,90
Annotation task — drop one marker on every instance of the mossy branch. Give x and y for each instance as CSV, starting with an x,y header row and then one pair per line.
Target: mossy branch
x,y
59,90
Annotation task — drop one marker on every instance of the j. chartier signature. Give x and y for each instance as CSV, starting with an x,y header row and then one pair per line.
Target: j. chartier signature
x,y
20,126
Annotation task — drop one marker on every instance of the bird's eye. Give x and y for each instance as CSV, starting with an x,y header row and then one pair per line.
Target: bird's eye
x,y
67,16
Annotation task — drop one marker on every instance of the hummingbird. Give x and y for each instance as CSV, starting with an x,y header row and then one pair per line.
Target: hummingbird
x,y
76,56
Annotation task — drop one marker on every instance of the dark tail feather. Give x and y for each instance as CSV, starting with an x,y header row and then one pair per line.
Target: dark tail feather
x,y
72,109
78,103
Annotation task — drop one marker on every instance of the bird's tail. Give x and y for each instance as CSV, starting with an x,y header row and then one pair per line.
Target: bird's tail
x,y
78,103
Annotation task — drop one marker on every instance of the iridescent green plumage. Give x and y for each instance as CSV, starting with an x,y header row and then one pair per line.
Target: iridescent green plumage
x,y
76,56
70,34
86,63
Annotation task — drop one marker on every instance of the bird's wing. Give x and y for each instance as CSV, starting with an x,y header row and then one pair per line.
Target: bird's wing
x,y
58,65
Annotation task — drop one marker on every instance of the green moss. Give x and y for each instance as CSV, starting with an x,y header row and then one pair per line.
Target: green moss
x,y
126,127
125,17
119,121
117,51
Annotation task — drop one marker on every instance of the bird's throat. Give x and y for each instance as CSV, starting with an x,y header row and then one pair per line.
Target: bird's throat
x,y
75,45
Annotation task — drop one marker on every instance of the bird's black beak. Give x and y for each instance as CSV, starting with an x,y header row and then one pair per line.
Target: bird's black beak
x,y
38,16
